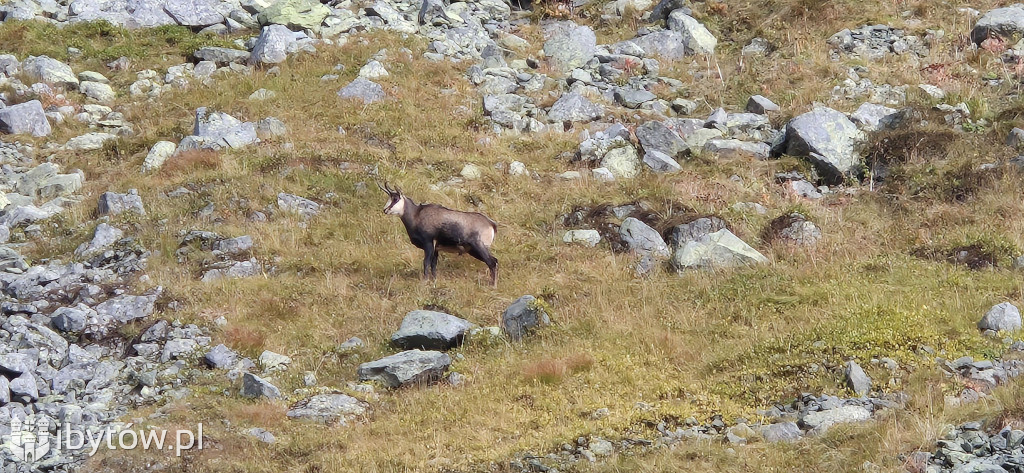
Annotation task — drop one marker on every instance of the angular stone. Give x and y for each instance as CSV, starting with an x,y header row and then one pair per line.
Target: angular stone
x,y
523,316
761,105
1006,22
820,421
643,239
255,387
103,237
736,149
828,140
570,46
856,379
99,92
222,56
328,409
158,155
363,89
660,162
273,45
584,237
113,203
633,98
194,12
49,70
574,107
408,368
695,36
25,118
295,14
221,357
430,330
1001,317
720,250
655,135
622,162
781,432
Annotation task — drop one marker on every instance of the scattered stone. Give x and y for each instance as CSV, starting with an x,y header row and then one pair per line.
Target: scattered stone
x,y
373,70
273,45
642,239
781,432
569,46
97,91
222,56
695,36
295,14
158,155
363,89
828,140
1006,22
856,379
292,203
583,237
49,70
103,237
820,421
872,117
408,368
255,387
113,203
1001,317
430,330
25,118
660,162
328,409
221,357
720,250
574,107
524,315
761,105
633,98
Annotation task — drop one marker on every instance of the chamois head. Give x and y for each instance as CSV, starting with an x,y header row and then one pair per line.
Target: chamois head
x,y
396,200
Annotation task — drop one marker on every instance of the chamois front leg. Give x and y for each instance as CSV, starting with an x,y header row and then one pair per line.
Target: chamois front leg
x,y
429,255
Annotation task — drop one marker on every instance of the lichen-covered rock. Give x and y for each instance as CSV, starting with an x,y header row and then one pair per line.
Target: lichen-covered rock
x,y
408,368
828,140
696,37
569,46
523,316
27,118
720,250
1006,22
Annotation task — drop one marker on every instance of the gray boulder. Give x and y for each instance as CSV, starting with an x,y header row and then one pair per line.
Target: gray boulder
x,y
523,316
667,44
11,259
872,117
194,12
430,330
25,118
103,237
720,250
655,135
820,421
25,386
121,310
221,357
660,162
363,89
49,70
583,237
71,319
255,387
292,203
828,140
856,379
697,230
218,130
570,46
665,7
112,203
328,409
234,270
408,368
89,141
761,105
633,98
696,37
1001,317
622,162
158,155
222,56
233,246
273,45
1006,22
736,149
781,432
574,107
271,127
643,239
97,91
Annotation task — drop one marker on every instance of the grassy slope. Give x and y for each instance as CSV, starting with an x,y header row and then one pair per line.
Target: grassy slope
x,y
698,345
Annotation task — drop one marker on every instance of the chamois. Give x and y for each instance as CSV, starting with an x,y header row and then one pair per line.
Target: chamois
x,y
434,228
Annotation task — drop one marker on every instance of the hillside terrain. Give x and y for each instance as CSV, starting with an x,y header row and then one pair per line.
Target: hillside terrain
x,y
736,235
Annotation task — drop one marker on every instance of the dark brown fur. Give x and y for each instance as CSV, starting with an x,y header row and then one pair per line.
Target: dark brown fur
x,y
434,228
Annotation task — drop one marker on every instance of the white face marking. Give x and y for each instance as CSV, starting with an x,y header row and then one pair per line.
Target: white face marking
x,y
397,208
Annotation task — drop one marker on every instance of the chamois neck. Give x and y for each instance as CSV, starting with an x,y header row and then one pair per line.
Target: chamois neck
x,y
409,211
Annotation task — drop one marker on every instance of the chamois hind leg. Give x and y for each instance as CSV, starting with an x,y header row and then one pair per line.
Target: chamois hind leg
x,y
482,253
433,264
